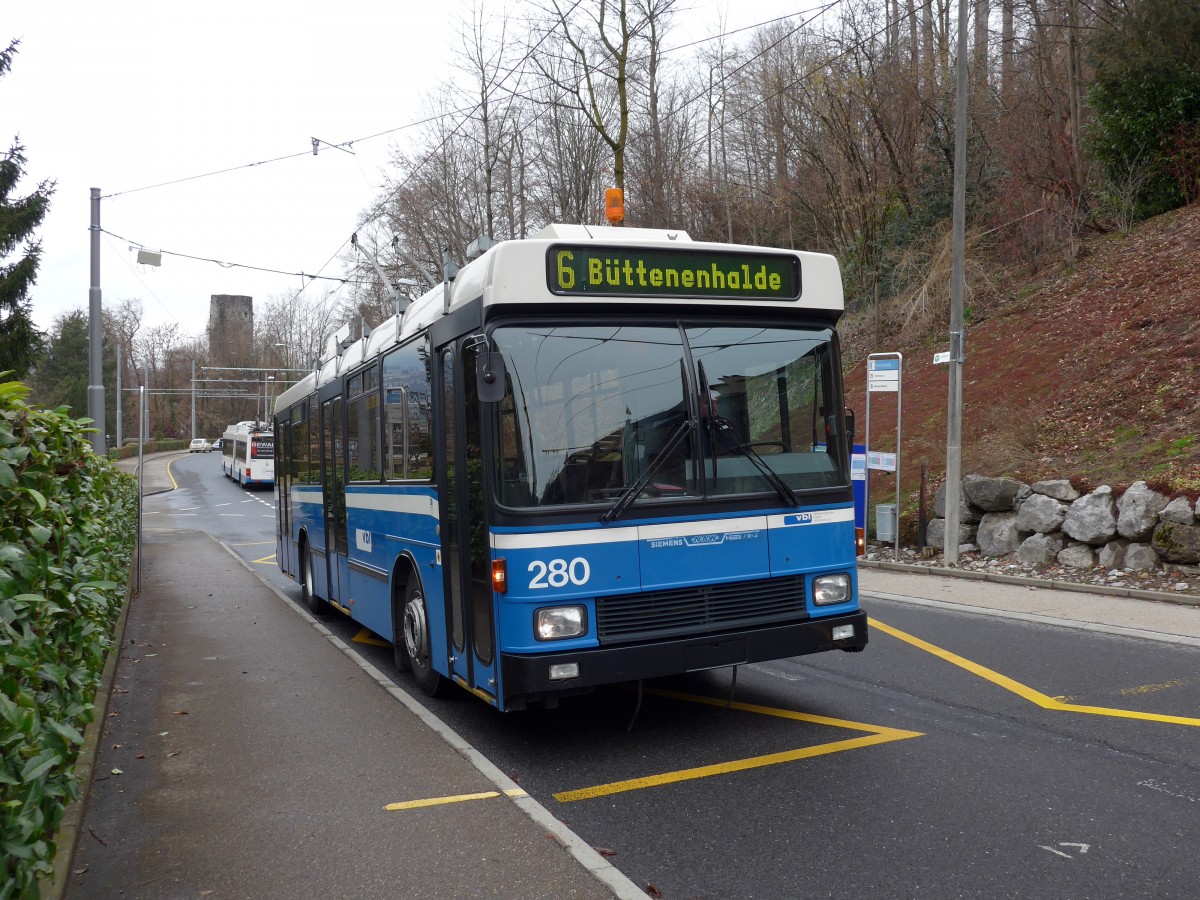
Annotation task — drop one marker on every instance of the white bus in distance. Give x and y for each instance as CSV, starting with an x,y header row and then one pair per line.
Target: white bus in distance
x,y
248,454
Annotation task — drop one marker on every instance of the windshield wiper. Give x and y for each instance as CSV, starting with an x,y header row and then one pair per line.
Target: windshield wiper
x,y
722,429
634,489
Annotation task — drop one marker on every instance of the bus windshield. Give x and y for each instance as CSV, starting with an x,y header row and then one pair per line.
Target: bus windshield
x,y
595,413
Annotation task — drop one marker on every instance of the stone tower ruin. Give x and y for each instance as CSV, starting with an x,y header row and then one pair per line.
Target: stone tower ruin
x,y
231,330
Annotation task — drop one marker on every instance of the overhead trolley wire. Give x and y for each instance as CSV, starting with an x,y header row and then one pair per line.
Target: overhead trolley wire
x,y
231,265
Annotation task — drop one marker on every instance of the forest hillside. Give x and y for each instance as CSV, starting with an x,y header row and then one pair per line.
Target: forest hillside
x,y
1090,371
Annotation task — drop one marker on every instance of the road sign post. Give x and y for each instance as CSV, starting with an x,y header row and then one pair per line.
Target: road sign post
x,y
884,371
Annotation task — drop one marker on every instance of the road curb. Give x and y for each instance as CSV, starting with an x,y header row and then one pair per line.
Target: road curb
x,y
996,578
67,835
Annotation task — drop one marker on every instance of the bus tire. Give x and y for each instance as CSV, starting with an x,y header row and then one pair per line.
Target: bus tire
x,y
308,594
416,642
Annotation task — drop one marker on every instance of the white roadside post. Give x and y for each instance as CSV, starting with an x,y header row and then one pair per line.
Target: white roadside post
x,y
884,371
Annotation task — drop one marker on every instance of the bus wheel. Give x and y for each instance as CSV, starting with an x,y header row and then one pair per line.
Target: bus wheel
x,y
415,625
308,594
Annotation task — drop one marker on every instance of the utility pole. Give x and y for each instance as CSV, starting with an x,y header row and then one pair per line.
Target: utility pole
x,y
120,444
95,391
957,283
193,399
146,404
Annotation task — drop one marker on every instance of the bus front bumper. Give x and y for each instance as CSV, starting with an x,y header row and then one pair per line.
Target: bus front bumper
x,y
527,676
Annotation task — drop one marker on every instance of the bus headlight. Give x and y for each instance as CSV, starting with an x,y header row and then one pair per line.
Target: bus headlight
x,y
830,589
557,622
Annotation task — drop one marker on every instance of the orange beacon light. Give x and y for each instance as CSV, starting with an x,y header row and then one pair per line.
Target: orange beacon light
x,y
614,206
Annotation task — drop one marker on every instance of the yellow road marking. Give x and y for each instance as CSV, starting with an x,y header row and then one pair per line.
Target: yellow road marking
x,y
458,798
174,486
1151,688
367,636
878,735
266,560
1021,690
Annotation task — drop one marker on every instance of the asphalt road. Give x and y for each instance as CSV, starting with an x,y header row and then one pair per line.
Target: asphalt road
x,y
961,754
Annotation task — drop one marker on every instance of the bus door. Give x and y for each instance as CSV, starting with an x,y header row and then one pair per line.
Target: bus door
x,y
333,478
466,558
283,490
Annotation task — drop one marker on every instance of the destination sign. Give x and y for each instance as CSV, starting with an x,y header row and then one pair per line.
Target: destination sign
x,y
640,272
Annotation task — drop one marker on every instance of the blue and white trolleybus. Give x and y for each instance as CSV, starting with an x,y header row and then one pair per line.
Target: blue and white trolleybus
x,y
598,455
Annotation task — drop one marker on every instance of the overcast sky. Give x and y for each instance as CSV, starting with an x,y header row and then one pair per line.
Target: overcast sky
x,y
125,96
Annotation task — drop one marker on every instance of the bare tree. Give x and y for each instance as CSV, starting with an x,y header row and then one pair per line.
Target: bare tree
x,y
291,331
565,168
598,38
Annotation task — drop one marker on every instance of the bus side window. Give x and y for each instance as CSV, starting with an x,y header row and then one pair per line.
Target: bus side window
x,y
407,392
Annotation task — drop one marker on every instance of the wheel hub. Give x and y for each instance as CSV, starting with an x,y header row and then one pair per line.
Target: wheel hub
x,y
415,631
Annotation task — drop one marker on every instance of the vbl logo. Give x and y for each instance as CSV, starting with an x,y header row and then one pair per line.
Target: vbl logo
x,y
798,519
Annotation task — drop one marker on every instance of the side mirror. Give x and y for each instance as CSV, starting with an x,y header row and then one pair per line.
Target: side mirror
x,y
490,377
850,428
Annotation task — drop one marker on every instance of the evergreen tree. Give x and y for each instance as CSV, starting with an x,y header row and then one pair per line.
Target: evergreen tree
x,y
21,342
61,377
1146,99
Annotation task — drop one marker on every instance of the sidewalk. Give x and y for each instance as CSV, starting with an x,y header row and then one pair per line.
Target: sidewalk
x,y
1146,614
246,753
157,476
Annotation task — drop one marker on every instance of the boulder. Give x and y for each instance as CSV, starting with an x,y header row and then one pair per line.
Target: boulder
x,y
967,514
1112,554
1092,518
992,494
1056,488
1077,556
1137,511
1140,558
1177,543
935,533
998,534
1042,514
1178,511
1039,549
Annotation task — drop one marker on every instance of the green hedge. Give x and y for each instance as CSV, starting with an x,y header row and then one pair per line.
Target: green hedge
x,y
67,536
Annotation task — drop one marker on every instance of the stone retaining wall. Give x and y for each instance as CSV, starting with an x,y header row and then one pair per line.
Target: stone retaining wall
x,y
1051,522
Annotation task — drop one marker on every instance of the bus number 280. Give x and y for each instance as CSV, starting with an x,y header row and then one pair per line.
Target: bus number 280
x,y
558,573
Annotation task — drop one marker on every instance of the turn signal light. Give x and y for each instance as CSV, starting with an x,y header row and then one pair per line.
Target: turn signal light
x,y
500,576
860,541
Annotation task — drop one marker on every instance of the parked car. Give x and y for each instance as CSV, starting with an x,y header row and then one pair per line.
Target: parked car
x,y
199,445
